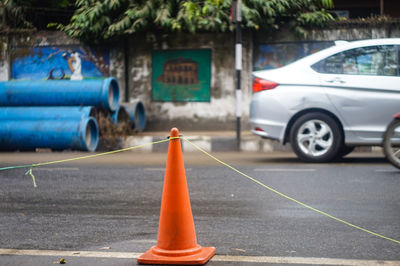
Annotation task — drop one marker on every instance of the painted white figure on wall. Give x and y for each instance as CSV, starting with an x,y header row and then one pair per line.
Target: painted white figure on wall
x,y
75,65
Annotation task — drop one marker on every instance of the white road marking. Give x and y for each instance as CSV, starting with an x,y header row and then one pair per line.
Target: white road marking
x,y
387,171
154,169
63,253
283,170
144,241
222,258
162,169
56,169
301,260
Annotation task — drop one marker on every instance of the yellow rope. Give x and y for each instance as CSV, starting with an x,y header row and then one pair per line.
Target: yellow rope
x,y
211,156
290,198
85,157
33,177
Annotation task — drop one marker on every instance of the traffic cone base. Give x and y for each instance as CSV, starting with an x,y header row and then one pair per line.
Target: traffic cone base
x,y
193,256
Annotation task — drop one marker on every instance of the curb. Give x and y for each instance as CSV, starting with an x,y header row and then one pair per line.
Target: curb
x,y
220,141
209,141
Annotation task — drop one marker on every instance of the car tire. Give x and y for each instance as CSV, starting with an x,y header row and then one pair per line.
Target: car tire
x,y
391,148
316,137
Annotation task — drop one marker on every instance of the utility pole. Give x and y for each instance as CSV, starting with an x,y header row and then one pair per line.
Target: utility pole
x,y
237,18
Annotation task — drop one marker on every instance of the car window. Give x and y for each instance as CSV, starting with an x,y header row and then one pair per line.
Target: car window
x,y
382,60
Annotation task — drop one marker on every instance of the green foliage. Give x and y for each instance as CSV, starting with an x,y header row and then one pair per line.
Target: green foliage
x,y
99,20
13,14
19,14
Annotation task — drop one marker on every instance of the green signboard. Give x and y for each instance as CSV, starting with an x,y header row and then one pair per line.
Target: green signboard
x,y
181,75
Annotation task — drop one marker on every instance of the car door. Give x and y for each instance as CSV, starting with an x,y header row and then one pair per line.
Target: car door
x,y
363,84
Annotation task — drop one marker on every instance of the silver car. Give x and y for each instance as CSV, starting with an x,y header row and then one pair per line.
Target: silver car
x,y
329,102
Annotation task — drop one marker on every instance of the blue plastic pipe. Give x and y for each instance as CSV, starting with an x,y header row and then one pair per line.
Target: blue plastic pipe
x,y
137,114
82,134
119,114
93,92
45,113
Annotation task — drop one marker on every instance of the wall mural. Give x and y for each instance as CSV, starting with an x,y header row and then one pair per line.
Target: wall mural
x,y
270,56
50,62
181,75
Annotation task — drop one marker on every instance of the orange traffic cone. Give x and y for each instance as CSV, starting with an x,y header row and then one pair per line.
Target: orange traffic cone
x,y
177,242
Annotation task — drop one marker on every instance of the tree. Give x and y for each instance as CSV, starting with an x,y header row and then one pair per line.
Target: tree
x,y
13,14
17,15
102,20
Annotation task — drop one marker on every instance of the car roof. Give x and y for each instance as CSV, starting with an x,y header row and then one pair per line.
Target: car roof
x,y
342,46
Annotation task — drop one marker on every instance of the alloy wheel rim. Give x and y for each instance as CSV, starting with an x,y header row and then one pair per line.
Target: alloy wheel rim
x,y
394,143
315,138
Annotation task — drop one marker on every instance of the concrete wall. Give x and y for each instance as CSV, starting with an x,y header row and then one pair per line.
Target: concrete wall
x,y
357,33
4,59
131,64
220,112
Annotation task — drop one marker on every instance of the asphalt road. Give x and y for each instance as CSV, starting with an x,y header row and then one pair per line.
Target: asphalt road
x,y
109,206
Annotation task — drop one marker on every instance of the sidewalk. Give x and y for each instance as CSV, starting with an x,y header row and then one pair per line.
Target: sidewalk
x,y
210,141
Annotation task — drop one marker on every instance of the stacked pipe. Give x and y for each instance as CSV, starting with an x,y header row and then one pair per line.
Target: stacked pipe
x,y
59,114
58,128
95,92
49,114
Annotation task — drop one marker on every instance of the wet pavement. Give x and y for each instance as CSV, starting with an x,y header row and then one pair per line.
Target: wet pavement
x,y
111,205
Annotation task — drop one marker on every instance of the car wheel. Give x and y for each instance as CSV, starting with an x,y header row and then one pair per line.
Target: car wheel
x,y
391,143
316,137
